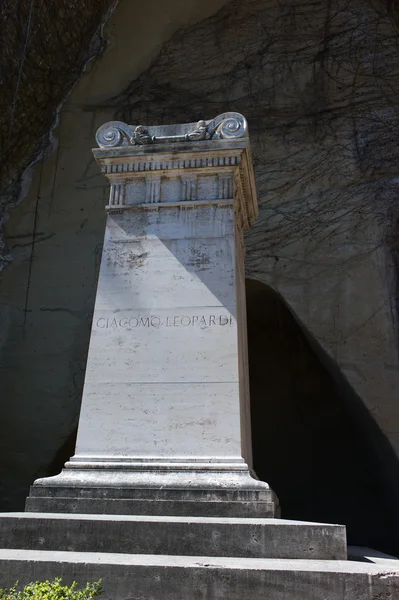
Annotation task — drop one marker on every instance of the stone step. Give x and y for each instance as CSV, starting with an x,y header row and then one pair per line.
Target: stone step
x,y
126,506
183,577
257,538
228,502
154,493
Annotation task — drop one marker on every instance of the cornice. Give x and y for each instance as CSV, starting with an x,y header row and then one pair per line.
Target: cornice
x,y
188,152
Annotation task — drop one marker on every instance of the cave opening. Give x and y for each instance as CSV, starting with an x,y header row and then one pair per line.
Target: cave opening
x,y
313,439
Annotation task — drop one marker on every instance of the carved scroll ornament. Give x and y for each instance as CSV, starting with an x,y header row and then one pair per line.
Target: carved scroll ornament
x,y
228,125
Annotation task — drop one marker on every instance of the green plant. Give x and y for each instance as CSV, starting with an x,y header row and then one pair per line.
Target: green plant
x,y
52,590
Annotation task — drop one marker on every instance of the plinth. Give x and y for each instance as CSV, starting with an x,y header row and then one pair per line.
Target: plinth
x,y
165,420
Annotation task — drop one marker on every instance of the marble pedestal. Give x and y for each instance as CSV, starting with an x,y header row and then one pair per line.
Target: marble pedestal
x,y
165,415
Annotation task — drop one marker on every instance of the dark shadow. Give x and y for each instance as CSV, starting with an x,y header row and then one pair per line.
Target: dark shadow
x,y
314,441
55,464
62,455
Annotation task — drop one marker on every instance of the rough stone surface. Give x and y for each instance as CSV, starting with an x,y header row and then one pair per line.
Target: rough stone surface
x,y
159,577
191,536
47,72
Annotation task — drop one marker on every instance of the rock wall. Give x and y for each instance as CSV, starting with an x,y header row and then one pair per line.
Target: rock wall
x,y
318,83
44,49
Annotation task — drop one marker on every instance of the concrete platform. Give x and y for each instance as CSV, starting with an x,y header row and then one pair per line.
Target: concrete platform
x,y
181,577
252,538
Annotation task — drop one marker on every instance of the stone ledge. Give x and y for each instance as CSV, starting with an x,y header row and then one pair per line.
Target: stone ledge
x,y
171,535
183,204
239,502
141,506
175,577
180,494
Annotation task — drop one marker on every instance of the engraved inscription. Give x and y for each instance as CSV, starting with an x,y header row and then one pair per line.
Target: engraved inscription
x,y
154,321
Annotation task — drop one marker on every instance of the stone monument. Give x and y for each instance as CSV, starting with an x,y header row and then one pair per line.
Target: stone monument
x,y
165,414
163,455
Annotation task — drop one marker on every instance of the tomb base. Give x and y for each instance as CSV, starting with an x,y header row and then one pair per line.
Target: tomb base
x,y
154,487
